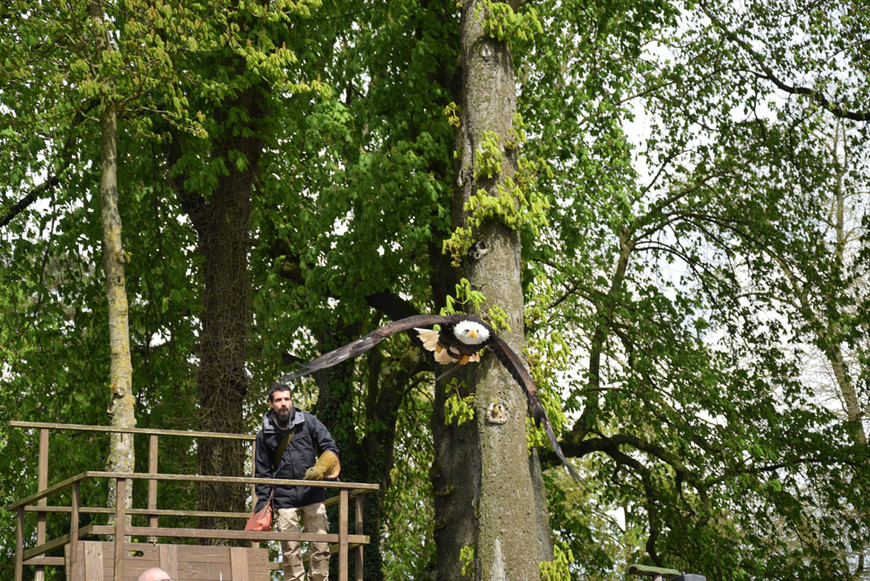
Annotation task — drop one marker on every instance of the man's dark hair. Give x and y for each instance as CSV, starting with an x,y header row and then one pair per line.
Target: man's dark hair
x,y
279,386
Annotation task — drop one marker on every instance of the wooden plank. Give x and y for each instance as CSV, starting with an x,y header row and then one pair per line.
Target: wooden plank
x,y
254,471
70,563
140,512
96,561
152,484
93,561
358,561
169,559
58,542
167,532
331,501
47,561
117,430
187,562
137,558
209,563
74,526
239,563
62,485
120,524
47,546
19,546
363,487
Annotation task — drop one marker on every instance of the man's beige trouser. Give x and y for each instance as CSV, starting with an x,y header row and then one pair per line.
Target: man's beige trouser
x,y
314,520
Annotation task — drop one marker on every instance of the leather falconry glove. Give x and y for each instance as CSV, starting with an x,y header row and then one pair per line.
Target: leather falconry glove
x,y
327,466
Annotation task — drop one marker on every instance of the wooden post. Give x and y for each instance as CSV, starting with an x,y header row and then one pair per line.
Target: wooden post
x,y
342,533
74,529
169,559
120,525
152,484
359,531
41,484
19,546
255,544
254,469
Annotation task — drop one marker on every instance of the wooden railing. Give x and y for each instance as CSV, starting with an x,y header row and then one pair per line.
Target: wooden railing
x,y
37,503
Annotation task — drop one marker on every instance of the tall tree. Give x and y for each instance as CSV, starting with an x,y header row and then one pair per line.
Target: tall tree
x,y
216,176
121,409
486,464
687,386
221,221
80,75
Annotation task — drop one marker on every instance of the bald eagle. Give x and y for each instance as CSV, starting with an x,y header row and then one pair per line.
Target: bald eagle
x,y
459,340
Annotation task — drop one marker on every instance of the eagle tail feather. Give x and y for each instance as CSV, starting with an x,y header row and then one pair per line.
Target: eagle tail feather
x,y
540,417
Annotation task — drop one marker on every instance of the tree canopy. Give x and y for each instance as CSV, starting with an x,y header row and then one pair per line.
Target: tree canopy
x,y
664,203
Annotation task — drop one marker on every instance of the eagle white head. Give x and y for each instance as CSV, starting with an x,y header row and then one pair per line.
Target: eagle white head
x,y
471,333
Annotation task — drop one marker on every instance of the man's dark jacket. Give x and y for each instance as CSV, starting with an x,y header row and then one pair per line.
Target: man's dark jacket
x,y
310,439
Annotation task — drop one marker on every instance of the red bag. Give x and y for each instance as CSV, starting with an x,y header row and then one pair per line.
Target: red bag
x,y
262,519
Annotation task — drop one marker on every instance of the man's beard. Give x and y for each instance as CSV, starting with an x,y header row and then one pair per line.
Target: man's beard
x,y
282,418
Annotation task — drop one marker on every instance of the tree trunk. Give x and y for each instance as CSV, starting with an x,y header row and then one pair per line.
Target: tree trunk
x,y
122,404
222,226
485,497
456,487
221,220
222,379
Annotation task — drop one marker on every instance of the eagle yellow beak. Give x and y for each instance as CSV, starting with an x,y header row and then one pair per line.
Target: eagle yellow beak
x,y
472,333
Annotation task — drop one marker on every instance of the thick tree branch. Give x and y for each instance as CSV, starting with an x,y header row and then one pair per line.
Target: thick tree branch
x,y
610,447
53,180
33,195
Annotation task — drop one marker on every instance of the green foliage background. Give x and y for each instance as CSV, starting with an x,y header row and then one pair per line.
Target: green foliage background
x,y
696,294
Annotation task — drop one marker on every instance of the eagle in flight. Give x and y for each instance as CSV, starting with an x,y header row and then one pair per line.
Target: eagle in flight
x,y
459,340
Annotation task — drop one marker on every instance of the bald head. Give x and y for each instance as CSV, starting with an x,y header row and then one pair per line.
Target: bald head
x,y
153,574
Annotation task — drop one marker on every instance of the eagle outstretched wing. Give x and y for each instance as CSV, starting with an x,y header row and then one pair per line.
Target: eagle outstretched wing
x,y
363,344
503,352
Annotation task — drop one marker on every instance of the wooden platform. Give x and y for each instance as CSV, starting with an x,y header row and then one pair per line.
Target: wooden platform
x,y
95,562
90,553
